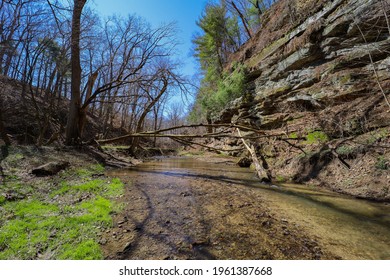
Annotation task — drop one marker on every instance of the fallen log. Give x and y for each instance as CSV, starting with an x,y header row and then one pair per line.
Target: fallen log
x,y
260,171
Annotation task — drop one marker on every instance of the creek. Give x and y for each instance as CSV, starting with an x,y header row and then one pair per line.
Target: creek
x,y
349,228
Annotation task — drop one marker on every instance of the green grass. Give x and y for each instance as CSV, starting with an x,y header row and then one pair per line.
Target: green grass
x,y
85,250
15,187
28,209
91,170
54,226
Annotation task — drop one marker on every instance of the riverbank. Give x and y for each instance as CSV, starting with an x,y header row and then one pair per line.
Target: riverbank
x,y
202,207
58,216
358,167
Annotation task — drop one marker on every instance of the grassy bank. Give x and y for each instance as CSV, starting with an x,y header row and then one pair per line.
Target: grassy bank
x,y
58,217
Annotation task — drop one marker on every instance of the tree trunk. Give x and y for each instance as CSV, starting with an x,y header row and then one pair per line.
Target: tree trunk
x,y
243,20
73,129
3,134
84,109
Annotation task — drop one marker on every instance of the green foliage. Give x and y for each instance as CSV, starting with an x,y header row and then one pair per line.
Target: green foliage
x,y
219,38
316,137
293,135
382,163
229,88
280,179
374,136
222,33
216,41
345,150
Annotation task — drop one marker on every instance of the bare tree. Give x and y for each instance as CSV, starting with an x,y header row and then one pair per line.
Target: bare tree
x,y
3,133
73,127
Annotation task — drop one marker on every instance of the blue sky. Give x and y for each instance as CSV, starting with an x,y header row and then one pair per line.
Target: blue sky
x,y
156,12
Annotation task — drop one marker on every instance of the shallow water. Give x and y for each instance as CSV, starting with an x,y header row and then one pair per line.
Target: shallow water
x,y
347,227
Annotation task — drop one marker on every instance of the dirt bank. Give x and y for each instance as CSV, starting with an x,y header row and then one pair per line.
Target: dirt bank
x,y
57,216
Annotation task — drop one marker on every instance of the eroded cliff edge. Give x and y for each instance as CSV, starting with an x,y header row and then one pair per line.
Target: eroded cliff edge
x,y
318,77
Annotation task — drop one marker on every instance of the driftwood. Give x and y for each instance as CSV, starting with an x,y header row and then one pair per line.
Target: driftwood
x,y
49,169
159,133
190,143
261,172
105,158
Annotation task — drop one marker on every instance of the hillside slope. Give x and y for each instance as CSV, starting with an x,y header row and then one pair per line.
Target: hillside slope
x,y
27,118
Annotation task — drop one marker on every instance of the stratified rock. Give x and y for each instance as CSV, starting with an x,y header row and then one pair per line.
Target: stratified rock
x,y
50,168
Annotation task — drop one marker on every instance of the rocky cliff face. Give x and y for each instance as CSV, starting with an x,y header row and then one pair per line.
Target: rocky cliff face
x,y
319,79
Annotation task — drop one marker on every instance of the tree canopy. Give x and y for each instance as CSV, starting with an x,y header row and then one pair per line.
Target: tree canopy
x,y
224,26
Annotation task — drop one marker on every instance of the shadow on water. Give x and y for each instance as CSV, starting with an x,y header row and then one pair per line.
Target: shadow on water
x,y
345,218
286,191
144,231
